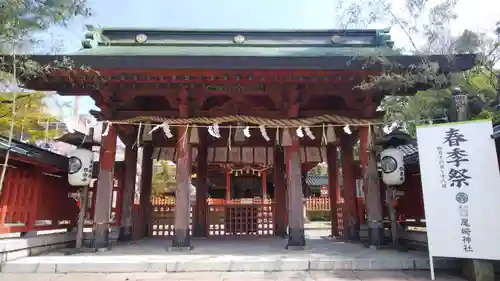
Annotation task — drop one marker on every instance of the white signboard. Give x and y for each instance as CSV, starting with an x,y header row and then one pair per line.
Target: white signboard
x,y
461,187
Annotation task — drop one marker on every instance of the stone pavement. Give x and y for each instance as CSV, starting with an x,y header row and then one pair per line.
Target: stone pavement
x,y
248,254
317,225
236,276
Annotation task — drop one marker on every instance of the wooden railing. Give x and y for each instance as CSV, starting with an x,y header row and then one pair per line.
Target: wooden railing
x,y
235,217
240,219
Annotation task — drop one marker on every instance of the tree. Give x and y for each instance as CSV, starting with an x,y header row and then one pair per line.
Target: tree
x,y
426,25
21,18
480,84
318,170
164,178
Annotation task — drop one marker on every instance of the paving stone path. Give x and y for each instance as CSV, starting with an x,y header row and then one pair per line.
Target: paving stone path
x,y
236,276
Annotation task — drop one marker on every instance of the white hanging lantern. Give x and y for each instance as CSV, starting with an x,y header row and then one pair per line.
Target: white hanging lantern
x,y
80,167
392,164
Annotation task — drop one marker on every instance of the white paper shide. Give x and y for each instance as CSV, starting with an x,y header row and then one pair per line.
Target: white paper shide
x,y
460,181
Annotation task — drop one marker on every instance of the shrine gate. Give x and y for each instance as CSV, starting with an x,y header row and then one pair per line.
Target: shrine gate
x,y
251,111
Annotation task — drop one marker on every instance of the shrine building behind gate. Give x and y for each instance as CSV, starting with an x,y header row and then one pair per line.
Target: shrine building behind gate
x,y
251,111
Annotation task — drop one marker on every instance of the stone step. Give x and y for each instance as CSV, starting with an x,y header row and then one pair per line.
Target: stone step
x,y
135,264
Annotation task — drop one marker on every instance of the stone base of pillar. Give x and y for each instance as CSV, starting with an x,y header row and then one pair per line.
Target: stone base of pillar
x,y
375,236
351,232
125,233
296,239
179,249
181,239
101,238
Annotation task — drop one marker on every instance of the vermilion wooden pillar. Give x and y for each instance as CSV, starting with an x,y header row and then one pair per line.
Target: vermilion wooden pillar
x,y
296,236
228,183
200,227
264,184
363,142
372,190
331,158
128,193
279,192
183,176
102,211
146,187
350,219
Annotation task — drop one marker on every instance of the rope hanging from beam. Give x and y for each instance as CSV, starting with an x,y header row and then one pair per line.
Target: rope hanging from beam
x,y
268,122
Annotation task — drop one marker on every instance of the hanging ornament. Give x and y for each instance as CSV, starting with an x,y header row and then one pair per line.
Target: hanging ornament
x,y
264,133
145,134
211,131
309,133
246,132
138,137
155,128
106,130
166,130
239,135
194,137
347,129
323,134
330,134
299,132
216,130
277,137
369,136
229,138
286,140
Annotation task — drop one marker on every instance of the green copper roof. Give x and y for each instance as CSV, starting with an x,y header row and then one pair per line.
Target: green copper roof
x,y
235,51
154,42
111,48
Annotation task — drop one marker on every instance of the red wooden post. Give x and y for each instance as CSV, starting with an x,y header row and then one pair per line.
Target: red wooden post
x,y
105,189
228,184
363,150
295,204
201,227
279,192
331,156
350,219
183,177
146,188
296,237
128,192
264,185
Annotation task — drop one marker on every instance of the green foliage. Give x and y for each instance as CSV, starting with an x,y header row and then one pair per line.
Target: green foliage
x,y
30,122
20,18
318,170
163,178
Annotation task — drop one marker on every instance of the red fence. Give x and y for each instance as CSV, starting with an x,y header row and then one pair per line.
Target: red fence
x,y
32,200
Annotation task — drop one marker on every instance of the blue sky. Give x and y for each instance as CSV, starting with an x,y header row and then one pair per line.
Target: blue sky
x,y
477,15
